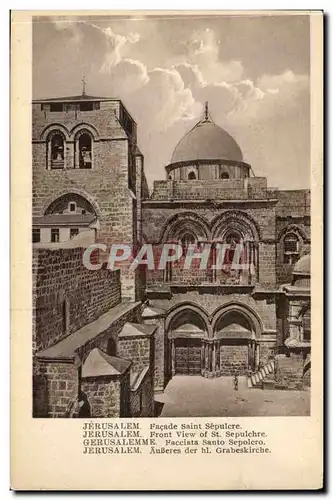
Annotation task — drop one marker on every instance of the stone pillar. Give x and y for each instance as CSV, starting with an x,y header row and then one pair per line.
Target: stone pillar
x,y
257,260
257,356
202,357
217,358
173,357
213,358
220,358
206,358
249,257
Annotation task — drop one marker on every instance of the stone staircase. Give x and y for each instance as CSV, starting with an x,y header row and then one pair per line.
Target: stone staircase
x,y
256,380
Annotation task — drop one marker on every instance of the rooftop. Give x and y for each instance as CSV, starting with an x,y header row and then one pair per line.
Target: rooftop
x,y
99,364
75,98
207,141
137,330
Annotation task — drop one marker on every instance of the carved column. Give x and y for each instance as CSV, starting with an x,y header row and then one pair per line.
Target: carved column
x,y
213,253
173,357
249,257
257,260
202,357
213,358
206,357
220,359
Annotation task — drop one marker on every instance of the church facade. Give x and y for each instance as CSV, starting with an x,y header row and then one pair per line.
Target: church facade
x,y
89,187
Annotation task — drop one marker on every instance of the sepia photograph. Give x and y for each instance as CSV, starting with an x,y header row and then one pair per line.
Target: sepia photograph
x,y
171,215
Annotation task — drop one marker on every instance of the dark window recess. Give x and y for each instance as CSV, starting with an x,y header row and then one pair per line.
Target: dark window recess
x,y
291,250
74,231
290,244
36,235
131,173
224,176
87,106
56,107
192,176
111,347
57,151
72,207
187,239
55,235
85,151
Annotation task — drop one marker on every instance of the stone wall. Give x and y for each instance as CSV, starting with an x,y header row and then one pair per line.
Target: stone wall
x,y
139,350
203,189
67,295
142,397
103,340
105,395
289,372
234,359
55,384
293,212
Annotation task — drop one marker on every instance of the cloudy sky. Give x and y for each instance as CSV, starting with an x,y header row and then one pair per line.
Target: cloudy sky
x,y
254,72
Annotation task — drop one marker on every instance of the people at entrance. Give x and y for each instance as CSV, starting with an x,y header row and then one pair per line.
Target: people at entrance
x,y
236,382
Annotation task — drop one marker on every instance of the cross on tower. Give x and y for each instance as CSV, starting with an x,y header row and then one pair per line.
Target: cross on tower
x,y
84,83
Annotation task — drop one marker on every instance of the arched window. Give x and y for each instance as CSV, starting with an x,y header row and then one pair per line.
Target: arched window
x,y
232,238
187,239
290,248
56,150
83,149
191,176
224,175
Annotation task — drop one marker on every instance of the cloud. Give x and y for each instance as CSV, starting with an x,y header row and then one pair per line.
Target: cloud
x,y
204,52
115,44
167,100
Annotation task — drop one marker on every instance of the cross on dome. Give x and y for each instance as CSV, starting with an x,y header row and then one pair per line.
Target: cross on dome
x,y
207,117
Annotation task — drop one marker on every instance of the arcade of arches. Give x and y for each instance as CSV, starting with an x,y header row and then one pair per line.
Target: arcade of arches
x,y
212,347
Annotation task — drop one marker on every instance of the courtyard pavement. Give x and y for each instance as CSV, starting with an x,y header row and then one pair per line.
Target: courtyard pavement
x,y
195,396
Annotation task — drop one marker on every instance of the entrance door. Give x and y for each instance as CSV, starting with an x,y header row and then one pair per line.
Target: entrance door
x,y
188,356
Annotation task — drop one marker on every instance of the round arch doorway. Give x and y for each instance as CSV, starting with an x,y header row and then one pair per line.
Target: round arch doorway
x,y
235,335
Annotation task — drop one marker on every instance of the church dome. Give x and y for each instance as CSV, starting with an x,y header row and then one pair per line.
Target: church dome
x,y
207,141
303,266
